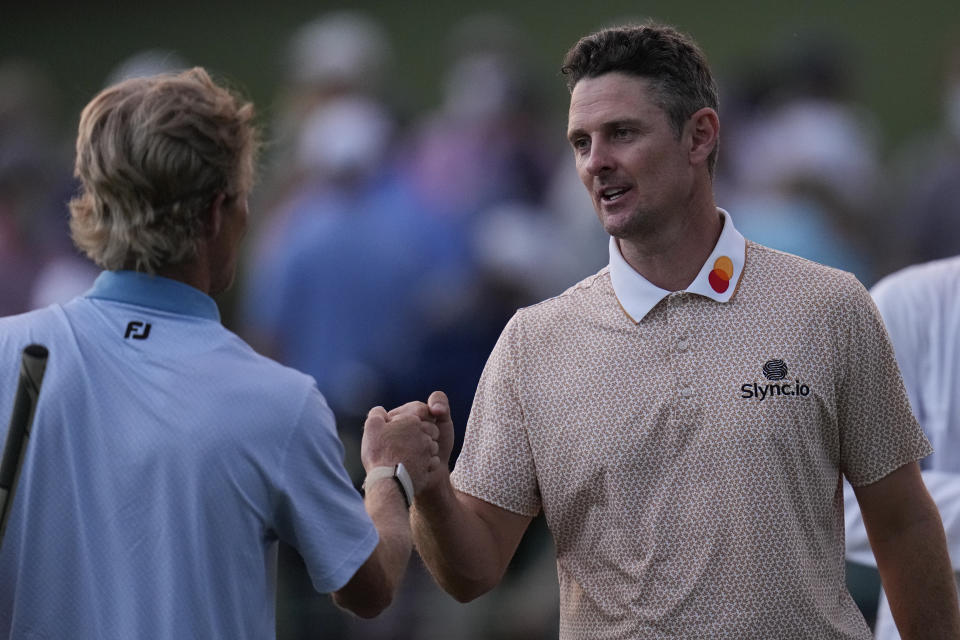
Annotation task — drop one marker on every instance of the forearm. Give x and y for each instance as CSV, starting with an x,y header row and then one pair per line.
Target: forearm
x,y
456,544
373,586
917,576
388,510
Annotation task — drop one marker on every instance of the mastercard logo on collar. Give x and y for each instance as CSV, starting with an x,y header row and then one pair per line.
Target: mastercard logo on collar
x,y
722,273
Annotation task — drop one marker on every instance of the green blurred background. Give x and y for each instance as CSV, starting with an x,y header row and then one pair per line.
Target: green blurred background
x,y
898,47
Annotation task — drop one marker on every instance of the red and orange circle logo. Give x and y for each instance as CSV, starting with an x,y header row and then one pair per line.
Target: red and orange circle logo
x,y
721,274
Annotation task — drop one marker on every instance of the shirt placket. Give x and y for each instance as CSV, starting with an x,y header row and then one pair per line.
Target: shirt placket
x,y
685,370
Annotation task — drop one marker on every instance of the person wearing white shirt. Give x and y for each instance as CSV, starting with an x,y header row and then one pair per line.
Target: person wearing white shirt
x,y
920,305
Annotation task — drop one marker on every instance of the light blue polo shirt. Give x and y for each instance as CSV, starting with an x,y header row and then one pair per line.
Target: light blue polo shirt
x,y
166,460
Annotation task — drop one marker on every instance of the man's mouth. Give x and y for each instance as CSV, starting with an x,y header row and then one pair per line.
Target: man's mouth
x,y
612,194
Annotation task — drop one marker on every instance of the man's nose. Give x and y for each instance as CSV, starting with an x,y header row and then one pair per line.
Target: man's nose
x,y
600,159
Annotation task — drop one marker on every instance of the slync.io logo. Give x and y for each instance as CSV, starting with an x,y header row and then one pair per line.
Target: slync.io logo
x,y
776,371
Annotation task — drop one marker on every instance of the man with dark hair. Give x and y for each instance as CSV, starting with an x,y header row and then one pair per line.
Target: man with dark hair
x,y
167,458
681,82
683,418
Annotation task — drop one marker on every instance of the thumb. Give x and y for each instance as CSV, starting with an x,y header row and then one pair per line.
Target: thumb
x,y
439,406
440,409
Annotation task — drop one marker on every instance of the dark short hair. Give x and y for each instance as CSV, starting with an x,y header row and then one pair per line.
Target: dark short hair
x,y
670,60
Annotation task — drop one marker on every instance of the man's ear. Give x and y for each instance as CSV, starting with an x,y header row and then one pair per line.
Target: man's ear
x,y
214,216
704,127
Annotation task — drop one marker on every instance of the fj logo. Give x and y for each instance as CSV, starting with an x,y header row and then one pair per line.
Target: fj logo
x,y
137,330
774,370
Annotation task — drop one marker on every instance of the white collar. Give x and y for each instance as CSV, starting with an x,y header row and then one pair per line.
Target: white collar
x,y
718,278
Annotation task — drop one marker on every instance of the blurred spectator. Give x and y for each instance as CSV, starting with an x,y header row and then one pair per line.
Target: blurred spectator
x,y
334,137
35,185
339,261
927,188
331,134
147,62
481,162
803,164
920,306
574,222
487,142
340,54
339,162
410,220
344,304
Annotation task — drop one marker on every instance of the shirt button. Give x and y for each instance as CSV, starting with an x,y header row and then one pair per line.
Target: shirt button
x,y
686,392
683,344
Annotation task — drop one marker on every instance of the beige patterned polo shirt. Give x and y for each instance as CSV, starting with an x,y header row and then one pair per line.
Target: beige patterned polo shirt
x,y
687,448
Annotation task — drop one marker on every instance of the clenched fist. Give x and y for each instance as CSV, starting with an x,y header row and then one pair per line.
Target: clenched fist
x,y
406,438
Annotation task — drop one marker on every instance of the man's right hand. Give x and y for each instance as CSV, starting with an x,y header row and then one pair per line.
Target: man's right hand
x,y
465,542
407,438
435,411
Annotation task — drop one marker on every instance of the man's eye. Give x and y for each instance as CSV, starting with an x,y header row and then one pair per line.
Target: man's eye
x,y
581,144
622,133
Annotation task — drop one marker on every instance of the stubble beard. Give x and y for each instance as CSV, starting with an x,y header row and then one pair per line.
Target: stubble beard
x,y
639,223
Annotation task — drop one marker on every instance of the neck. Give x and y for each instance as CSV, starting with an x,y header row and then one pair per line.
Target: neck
x,y
194,273
672,256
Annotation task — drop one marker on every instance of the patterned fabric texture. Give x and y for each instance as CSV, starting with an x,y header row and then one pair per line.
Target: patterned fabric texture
x,y
689,464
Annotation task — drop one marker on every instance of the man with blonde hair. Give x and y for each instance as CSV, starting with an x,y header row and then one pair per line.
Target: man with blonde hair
x,y
167,458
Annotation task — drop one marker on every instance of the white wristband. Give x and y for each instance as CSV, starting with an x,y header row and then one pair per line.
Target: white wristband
x,y
399,472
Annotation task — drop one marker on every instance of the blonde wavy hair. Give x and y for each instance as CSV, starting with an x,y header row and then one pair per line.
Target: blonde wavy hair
x,y
152,155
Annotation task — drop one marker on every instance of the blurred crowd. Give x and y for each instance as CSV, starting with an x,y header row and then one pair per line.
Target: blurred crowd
x,y
388,248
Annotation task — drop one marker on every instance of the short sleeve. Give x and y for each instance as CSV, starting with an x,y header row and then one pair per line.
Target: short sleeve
x,y
496,463
878,432
319,511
